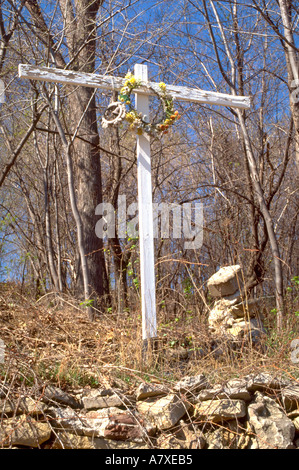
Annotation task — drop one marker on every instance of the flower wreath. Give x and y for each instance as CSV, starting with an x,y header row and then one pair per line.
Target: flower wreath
x,y
123,109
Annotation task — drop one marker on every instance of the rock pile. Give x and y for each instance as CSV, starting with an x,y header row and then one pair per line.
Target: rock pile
x,y
258,411
232,316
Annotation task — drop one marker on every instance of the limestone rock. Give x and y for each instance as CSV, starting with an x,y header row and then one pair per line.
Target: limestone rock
x,y
165,412
265,381
146,390
226,281
125,427
237,389
67,440
93,423
237,329
217,391
8,407
183,437
191,436
169,442
220,316
32,407
109,423
56,395
100,443
95,400
293,414
101,392
219,410
253,330
296,424
232,317
228,437
290,396
191,384
247,308
26,405
73,441
222,321
233,299
259,411
234,389
273,429
24,431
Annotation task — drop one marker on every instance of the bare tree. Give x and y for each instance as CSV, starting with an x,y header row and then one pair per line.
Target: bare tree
x,y
79,30
285,28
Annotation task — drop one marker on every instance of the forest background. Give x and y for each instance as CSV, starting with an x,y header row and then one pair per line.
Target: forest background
x,y
242,165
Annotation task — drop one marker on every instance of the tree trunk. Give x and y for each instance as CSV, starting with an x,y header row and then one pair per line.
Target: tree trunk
x,y
268,221
81,39
256,182
295,114
292,62
80,30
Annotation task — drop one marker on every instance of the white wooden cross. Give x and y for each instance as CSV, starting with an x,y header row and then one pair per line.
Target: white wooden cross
x,y
147,272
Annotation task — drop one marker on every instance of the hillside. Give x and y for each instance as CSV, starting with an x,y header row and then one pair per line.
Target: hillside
x,y
50,342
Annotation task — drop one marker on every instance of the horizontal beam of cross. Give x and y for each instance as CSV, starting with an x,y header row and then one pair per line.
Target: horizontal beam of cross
x,y
106,82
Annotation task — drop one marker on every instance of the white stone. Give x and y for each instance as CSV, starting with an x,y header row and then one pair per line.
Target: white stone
x,y
290,396
265,381
96,400
165,412
146,390
237,390
66,440
228,437
89,424
225,282
296,424
192,384
273,429
23,431
110,423
220,410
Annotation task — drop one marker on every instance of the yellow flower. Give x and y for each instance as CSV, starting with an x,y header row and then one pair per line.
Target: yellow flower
x,y
132,81
162,86
130,117
129,75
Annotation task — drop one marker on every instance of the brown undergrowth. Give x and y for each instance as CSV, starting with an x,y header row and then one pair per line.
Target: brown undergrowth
x,y
52,340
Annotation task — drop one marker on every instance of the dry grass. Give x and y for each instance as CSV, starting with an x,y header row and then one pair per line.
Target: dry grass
x,y
51,340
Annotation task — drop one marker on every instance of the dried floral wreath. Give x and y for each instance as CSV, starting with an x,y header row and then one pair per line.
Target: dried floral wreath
x,y
124,110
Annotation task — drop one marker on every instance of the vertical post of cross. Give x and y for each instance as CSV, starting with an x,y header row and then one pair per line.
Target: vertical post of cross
x,y
2,92
145,208
2,351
